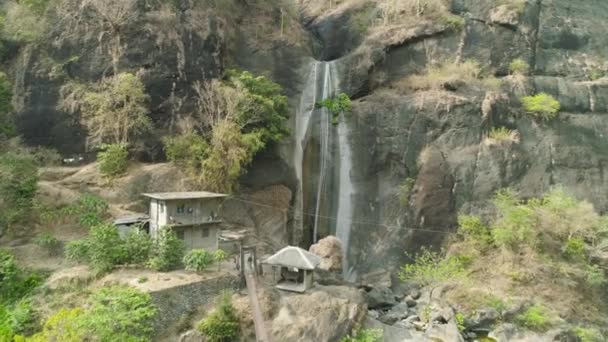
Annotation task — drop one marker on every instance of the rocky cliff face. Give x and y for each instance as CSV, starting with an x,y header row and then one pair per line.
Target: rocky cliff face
x,y
396,133
441,141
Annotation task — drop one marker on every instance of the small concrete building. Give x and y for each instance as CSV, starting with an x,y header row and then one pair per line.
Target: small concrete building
x,y
193,216
296,268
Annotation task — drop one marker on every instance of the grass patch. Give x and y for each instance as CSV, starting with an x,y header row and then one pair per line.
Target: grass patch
x,y
536,318
503,134
405,191
450,76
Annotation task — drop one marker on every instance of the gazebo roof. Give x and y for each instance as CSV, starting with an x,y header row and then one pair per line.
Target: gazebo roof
x,y
291,256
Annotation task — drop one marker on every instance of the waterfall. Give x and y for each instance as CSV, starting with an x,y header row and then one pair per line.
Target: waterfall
x,y
324,135
308,102
334,188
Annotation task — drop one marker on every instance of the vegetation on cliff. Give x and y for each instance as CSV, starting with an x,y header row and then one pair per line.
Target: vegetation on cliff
x,y
538,254
236,118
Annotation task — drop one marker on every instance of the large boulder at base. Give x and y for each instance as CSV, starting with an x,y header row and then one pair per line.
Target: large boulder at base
x,y
395,333
326,314
330,251
192,336
269,300
380,297
509,332
444,332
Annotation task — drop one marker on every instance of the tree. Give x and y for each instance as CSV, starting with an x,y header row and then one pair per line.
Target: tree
x,y
7,128
231,151
18,186
116,110
168,251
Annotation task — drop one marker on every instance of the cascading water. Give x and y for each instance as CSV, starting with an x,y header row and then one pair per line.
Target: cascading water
x,y
332,194
324,137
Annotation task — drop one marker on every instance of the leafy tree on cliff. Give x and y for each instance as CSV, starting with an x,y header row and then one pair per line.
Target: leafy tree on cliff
x,y
236,118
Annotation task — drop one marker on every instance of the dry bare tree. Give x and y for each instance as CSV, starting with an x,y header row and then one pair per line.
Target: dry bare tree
x,y
215,102
116,111
104,19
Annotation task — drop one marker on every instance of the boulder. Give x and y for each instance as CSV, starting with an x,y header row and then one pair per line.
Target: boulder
x,y
269,300
330,251
397,313
483,318
192,336
326,314
380,298
395,333
444,332
504,15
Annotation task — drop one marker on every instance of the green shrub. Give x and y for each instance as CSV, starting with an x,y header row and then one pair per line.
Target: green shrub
x,y
18,186
405,191
198,260
574,249
90,210
49,242
453,22
15,283
187,150
137,247
105,248
519,67
460,321
542,106
7,125
515,225
588,335
168,251
432,268
113,160
473,229
365,335
497,304
114,313
595,276
535,318
17,319
120,313
222,324
336,106
64,325
77,250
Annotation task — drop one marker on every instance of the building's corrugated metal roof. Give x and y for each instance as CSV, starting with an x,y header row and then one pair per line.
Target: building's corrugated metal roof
x,y
297,257
165,196
132,219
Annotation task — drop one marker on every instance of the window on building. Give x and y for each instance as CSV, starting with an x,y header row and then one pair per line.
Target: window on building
x,y
162,207
180,234
181,209
205,232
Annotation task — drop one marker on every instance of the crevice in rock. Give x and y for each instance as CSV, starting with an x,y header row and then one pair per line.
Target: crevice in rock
x,y
536,44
